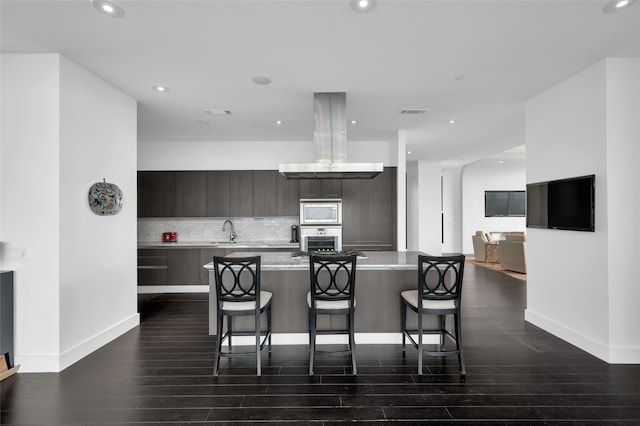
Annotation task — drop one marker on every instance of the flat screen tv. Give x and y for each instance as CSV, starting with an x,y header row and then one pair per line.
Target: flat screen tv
x,y
504,203
562,204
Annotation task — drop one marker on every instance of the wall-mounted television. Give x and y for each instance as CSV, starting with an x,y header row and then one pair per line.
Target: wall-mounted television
x,y
504,204
562,204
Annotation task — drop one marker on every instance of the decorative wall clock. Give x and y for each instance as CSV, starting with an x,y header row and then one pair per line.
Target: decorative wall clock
x,y
105,198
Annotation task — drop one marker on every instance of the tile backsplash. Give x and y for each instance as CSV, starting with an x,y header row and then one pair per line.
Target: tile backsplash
x,y
276,229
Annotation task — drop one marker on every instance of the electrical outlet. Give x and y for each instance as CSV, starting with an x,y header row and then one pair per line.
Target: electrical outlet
x,y
15,254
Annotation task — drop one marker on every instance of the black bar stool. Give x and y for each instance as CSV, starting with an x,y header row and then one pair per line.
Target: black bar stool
x,y
238,293
439,293
333,280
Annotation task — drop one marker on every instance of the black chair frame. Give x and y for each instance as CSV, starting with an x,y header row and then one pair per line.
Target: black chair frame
x,y
439,279
327,285
232,288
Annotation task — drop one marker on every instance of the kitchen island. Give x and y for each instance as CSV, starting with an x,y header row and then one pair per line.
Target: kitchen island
x,y
380,277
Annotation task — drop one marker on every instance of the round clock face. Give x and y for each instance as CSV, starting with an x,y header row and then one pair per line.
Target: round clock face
x,y
105,198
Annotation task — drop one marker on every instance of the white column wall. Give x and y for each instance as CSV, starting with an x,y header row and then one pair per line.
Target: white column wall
x,y
423,207
623,207
98,261
31,203
401,189
453,210
581,285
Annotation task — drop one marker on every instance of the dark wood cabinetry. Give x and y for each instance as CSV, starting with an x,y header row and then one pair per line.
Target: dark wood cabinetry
x,y
241,193
264,193
320,188
287,196
369,212
152,267
181,266
156,194
191,189
217,194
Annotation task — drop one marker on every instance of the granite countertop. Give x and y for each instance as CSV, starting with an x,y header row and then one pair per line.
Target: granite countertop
x,y
220,244
373,260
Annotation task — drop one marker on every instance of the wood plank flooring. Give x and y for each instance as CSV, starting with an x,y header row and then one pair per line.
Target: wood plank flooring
x,y
160,373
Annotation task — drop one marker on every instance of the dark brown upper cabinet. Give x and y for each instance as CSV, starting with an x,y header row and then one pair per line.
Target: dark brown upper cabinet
x,y
264,193
191,194
288,196
217,196
156,194
320,188
241,193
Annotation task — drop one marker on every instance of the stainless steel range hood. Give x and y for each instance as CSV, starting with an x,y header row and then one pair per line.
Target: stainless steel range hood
x,y
330,144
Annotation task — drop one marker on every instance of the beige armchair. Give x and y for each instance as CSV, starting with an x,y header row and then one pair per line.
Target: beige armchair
x,y
479,246
512,253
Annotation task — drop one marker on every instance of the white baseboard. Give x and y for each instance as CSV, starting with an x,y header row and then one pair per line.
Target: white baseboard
x,y
147,289
57,363
610,354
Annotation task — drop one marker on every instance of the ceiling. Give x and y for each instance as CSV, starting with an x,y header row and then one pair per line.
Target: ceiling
x,y
476,62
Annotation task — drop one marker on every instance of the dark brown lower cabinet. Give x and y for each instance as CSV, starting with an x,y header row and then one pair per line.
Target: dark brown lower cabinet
x,y
180,266
152,267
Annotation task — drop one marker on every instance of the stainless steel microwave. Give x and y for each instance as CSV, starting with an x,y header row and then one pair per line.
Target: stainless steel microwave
x,y
320,212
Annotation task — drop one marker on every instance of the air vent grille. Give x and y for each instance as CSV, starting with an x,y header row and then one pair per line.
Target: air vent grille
x,y
410,111
217,111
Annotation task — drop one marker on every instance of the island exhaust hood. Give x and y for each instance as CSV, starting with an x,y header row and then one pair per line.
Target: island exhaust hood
x,y
330,144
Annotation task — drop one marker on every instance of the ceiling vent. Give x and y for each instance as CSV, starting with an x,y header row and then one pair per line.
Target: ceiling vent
x,y
217,111
410,111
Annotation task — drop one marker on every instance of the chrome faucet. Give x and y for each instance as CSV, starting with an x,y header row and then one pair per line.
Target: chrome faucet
x,y
232,234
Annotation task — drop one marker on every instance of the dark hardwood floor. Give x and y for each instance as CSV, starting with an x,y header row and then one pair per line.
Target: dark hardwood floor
x,y
160,373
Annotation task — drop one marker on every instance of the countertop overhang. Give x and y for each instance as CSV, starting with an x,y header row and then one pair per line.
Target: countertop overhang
x,y
375,260
221,244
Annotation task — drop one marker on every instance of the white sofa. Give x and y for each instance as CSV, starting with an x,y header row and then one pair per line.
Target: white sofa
x,y
513,253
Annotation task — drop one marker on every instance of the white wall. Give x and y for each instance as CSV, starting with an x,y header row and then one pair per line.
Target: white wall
x,y
31,203
581,285
489,175
452,210
424,231
76,288
623,207
98,264
251,155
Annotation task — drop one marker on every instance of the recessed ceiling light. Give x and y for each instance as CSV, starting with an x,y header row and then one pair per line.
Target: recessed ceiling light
x,y
354,122
279,122
363,5
616,5
161,88
261,80
452,121
500,162
108,8
408,152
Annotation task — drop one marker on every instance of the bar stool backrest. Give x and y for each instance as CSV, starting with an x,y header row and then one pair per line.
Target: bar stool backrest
x,y
440,277
333,277
237,279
